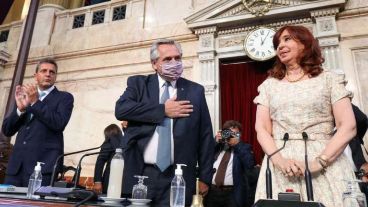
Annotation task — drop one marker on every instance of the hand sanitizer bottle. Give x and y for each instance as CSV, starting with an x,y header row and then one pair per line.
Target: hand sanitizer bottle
x,y
116,175
177,191
35,181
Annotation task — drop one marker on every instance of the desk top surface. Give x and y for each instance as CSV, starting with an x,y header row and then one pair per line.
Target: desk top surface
x,y
21,201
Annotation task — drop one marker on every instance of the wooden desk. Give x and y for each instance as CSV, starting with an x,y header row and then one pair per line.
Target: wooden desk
x,y
10,200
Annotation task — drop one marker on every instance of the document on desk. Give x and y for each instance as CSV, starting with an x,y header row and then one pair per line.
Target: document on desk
x,y
12,189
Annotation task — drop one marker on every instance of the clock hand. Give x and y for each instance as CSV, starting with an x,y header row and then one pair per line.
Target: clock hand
x,y
262,41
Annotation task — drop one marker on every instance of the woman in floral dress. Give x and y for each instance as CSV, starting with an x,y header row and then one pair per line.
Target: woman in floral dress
x,y
299,96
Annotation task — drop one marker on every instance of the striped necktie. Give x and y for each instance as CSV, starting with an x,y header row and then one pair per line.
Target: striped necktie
x,y
164,133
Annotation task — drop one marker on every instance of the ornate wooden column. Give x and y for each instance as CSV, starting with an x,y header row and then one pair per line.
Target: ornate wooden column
x,y
208,72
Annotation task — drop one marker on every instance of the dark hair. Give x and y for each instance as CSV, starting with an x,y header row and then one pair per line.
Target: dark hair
x,y
112,131
311,59
47,60
232,124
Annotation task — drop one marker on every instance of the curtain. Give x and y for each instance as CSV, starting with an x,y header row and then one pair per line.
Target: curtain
x,y
238,86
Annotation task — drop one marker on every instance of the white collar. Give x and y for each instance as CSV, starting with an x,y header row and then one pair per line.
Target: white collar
x,y
47,91
162,81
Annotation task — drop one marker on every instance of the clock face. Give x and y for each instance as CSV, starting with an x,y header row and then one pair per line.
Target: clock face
x,y
258,44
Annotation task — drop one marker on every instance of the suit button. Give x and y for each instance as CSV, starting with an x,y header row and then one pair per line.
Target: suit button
x,y
24,142
27,128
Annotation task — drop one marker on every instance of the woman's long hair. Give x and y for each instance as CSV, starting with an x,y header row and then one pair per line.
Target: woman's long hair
x,y
311,60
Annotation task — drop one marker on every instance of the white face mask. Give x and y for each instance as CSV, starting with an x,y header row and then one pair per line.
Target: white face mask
x,y
172,70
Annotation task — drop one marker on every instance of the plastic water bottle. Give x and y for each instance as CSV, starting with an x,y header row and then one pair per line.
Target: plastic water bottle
x,y
116,175
352,197
177,191
35,181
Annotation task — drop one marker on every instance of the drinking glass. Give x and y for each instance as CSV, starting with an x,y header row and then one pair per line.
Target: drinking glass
x,y
139,190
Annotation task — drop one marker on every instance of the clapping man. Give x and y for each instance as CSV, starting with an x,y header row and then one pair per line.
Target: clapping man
x,y
40,118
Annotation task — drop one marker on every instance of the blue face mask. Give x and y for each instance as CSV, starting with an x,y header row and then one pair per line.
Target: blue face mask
x,y
172,70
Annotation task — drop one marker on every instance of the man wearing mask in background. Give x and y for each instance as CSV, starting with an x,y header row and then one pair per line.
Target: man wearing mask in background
x,y
40,117
230,187
169,124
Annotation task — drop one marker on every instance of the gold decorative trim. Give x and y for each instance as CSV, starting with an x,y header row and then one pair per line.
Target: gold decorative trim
x,y
238,30
258,7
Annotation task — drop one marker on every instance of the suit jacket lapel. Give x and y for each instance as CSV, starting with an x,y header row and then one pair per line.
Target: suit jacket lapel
x,y
153,92
153,88
50,95
45,100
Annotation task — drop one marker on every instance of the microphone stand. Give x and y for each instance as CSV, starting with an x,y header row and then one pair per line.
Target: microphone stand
x,y
79,167
268,170
66,192
307,175
53,176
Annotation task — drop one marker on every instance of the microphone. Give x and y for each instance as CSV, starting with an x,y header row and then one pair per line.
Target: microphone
x,y
79,167
53,176
268,170
307,174
67,192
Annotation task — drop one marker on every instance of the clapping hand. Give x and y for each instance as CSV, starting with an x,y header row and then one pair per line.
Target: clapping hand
x,y
32,92
21,98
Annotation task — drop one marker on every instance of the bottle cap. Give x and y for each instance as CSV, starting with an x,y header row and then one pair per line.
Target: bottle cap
x,y
289,190
38,166
178,170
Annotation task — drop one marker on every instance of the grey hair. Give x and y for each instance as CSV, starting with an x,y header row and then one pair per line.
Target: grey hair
x,y
47,60
154,55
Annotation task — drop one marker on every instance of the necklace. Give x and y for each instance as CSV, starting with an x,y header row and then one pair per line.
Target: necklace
x,y
296,79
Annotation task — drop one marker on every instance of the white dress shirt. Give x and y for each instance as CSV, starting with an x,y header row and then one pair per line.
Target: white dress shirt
x,y
229,170
150,152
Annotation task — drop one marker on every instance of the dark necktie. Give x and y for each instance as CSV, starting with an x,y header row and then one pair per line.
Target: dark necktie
x,y
164,136
221,170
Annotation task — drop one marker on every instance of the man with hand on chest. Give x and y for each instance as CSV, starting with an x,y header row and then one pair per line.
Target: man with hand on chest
x,y
169,124
40,117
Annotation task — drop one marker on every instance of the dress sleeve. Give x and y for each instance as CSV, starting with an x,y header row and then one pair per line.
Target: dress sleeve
x,y
263,96
338,90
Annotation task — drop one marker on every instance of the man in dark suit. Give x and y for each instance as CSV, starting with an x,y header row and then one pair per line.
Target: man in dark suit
x,y
40,118
232,158
355,144
169,124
